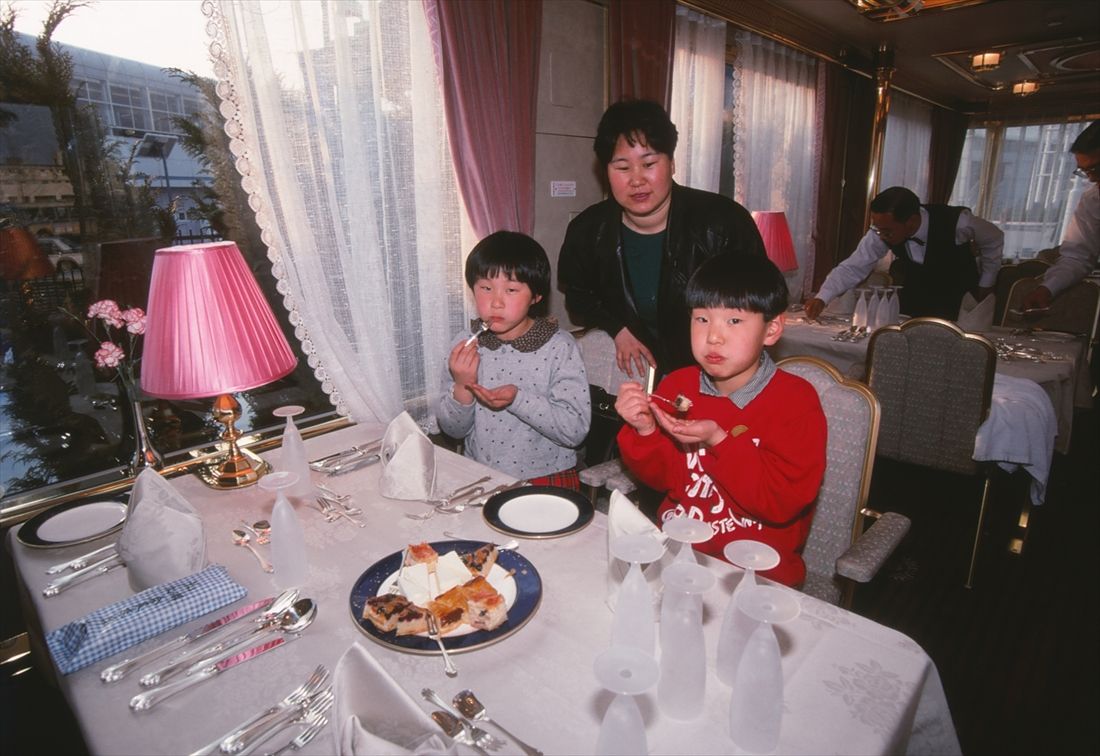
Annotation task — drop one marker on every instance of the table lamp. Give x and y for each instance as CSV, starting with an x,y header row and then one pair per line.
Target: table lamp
x,y
777,238
210,332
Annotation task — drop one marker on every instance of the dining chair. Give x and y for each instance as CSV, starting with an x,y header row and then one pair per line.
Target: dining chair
x,y
603,469
1009,275
934,383
1075,310
839,552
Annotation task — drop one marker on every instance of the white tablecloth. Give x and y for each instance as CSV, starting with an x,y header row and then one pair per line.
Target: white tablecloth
x,y
852,686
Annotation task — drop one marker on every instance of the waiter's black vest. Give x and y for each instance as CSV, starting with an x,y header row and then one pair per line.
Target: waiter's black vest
x,y
936,287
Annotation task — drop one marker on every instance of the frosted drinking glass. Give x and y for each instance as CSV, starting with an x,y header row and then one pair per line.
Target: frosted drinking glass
x,y
683,682
294,453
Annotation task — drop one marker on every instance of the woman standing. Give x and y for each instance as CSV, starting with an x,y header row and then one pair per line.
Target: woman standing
x,y
625,261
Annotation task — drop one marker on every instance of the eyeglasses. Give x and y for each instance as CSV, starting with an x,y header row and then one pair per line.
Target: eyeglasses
x,y
1092,172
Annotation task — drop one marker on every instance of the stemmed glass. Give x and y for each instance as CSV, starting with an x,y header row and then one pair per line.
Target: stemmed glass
x,y
875,310
683,682
626,672
859,315
736,626
288,544
895,304
633,623
756,706
294,458
688,531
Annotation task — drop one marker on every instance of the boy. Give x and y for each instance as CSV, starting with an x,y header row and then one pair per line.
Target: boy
x,y
519,395
748,454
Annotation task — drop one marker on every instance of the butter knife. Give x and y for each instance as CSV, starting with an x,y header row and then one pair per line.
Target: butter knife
x,y
150,698
81,561
94,569
116,672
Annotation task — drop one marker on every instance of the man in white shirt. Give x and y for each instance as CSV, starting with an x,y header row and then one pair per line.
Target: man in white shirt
x,y
934,263
1081,244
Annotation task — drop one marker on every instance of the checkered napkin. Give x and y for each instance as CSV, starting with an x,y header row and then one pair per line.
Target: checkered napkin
x,y
118,626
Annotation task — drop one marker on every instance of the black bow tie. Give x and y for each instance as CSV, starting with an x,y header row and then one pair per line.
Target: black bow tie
x,y
915,240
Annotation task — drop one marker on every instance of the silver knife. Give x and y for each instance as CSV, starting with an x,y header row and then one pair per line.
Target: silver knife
x,y
150,698
354,462
118,671
80,561
55,587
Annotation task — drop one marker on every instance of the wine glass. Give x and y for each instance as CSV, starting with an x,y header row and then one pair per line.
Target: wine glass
x,y
288,544
688,531
683,681
294,451
895,305
626,672
736,626
859,315
875,310
633,623
756,706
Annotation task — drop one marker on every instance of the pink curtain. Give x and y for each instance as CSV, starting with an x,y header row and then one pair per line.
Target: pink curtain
x,y
487,55
641,49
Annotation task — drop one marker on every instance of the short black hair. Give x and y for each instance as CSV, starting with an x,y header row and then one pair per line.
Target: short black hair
x,y
898,201
1088,140
742,282
516,255
631,120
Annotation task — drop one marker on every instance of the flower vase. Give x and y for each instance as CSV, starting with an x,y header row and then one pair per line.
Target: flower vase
x,y
145,455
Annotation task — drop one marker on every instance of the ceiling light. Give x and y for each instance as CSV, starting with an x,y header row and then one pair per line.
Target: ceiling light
x,y
1025,88
985,61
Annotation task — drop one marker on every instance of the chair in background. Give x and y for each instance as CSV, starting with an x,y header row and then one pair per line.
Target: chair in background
x,y
1075,310
1009,275
934,383
838,550
604,378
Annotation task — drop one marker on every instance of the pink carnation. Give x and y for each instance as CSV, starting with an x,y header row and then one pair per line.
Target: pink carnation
x,y
109,354
108,311
135,320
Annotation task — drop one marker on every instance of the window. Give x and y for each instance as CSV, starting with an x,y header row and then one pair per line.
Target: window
x,y
165,107
1020,177
908,144
128,108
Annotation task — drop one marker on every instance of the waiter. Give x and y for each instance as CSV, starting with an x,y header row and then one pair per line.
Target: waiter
x,y
934,263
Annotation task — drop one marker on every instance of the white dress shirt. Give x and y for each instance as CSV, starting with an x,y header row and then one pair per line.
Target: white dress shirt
x,y
1080,246
989,239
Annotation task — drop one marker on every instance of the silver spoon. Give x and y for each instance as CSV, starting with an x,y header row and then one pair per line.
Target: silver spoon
x,y
263,528
261,538
471,708
241,538
450,724
480,330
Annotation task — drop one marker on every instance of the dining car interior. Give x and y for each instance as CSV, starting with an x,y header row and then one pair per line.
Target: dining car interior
x,y
349,339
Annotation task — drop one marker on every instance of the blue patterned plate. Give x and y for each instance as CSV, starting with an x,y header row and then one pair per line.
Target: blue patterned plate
x,y
527,596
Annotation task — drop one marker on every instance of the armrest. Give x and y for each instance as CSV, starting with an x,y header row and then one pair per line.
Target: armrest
x,y
622,481
862,560
598,475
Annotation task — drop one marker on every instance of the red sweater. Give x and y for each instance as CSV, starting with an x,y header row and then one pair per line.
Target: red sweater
x,y
759,483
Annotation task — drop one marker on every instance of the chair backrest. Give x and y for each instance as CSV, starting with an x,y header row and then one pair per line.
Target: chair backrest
x,y
1075,310
852,418
598,353
934,383
1009,275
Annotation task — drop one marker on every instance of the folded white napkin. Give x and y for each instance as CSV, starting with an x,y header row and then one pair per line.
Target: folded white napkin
x,y
163,538
624,518
374,715
408,461
975,316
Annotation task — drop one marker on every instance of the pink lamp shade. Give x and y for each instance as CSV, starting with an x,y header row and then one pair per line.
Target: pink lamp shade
x,y
777,238
209,329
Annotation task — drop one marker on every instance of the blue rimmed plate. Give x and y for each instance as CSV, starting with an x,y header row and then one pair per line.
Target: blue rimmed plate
x,y
522,591
538,512
74,522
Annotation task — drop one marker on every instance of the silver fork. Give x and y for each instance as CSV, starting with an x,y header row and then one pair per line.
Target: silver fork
x,y
304,736
344,500
482,738
296,714
332,511
303,691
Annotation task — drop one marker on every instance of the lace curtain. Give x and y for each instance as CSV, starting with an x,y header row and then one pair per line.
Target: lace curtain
x,y
1021,178
698,91
906,154
337,124
772,92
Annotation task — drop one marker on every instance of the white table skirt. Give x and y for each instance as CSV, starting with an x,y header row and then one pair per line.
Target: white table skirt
x,y
1065,380
852,686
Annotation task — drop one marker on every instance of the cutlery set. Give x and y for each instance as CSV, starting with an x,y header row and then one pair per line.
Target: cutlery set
x,y
347,460
466,497
458,722
83,569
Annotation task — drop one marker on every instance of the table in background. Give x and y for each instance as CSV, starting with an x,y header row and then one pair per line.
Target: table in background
x,y
1065,381
852,686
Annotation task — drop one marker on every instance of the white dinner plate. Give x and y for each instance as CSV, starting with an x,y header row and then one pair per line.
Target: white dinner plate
x,y
74,522
538,512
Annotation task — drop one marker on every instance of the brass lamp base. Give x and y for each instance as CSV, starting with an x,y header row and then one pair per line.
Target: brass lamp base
x,y
237,467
